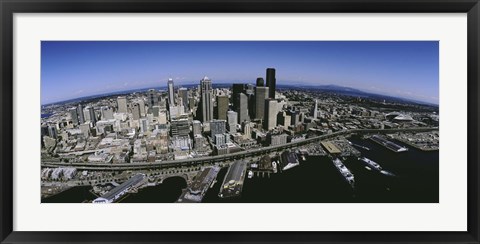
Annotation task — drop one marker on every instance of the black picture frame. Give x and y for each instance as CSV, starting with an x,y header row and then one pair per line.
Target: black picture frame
x,y
9,7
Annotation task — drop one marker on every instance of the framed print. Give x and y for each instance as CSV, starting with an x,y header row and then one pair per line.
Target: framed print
x,y
265,121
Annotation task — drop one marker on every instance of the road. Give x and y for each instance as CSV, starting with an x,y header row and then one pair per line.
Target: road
x,y
222,158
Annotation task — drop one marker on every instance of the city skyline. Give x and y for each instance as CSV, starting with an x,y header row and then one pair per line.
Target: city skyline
x,y
94,68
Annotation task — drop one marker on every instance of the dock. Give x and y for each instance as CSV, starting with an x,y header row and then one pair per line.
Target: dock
x,y
388,144
233,182
197,190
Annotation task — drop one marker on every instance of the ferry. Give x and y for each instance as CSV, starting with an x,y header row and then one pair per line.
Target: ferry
x,y
347,175
373,165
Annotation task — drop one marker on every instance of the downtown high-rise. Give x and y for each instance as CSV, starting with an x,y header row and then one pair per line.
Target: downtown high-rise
x,y
171,97
206,99
271,82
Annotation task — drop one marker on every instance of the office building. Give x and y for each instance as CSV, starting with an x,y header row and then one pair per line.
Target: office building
x,y
180,127
247,130
277,139
232,121
260,82
183,94
141,104
237,89
171,95
152,98
197,127
81,117
206,99
242,108
271,82
106,112
121,105
136,111
93,116
222,107
270,120
144,125
74,116
261,93
217,127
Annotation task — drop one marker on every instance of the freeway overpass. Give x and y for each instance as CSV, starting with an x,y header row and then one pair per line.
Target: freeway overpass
x,y
223,158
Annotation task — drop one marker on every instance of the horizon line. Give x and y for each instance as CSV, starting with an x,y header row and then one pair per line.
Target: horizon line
x,y
295,85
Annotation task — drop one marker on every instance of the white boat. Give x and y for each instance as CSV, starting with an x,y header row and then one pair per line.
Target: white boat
x,y
371,164
345,172
250,174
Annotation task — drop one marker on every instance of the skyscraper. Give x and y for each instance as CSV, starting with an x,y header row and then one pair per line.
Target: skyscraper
x,y
261,93
242,108
247,130
237,89
232,121
217,127
315,110
106,112
171,97
93,117
183,93
152,99
196,127
136,111
81,118
222,107
271,82
74,116
180,127
206,99
141,104
270,114
260,82
121,105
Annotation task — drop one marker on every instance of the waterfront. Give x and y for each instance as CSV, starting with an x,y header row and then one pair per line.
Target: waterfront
x,y
317,181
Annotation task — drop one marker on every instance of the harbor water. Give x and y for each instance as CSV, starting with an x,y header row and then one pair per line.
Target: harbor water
x,y
316,180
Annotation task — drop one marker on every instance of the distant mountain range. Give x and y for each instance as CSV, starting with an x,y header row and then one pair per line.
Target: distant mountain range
x,y
348,91
342,90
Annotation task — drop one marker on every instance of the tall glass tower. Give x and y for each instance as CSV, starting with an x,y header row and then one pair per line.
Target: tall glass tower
x,y
206,99
171,97
271,81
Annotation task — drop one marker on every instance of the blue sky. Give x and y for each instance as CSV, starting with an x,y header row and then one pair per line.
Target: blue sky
x,y
71,69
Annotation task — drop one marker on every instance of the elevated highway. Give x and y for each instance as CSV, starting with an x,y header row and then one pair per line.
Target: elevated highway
x,y
223,158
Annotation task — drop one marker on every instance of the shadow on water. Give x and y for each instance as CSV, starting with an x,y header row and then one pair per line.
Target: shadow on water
x,y
167,192
76,194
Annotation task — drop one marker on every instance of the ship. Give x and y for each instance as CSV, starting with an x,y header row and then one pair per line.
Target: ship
x,y
373,165
345,172
250,174
360,146
388,144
